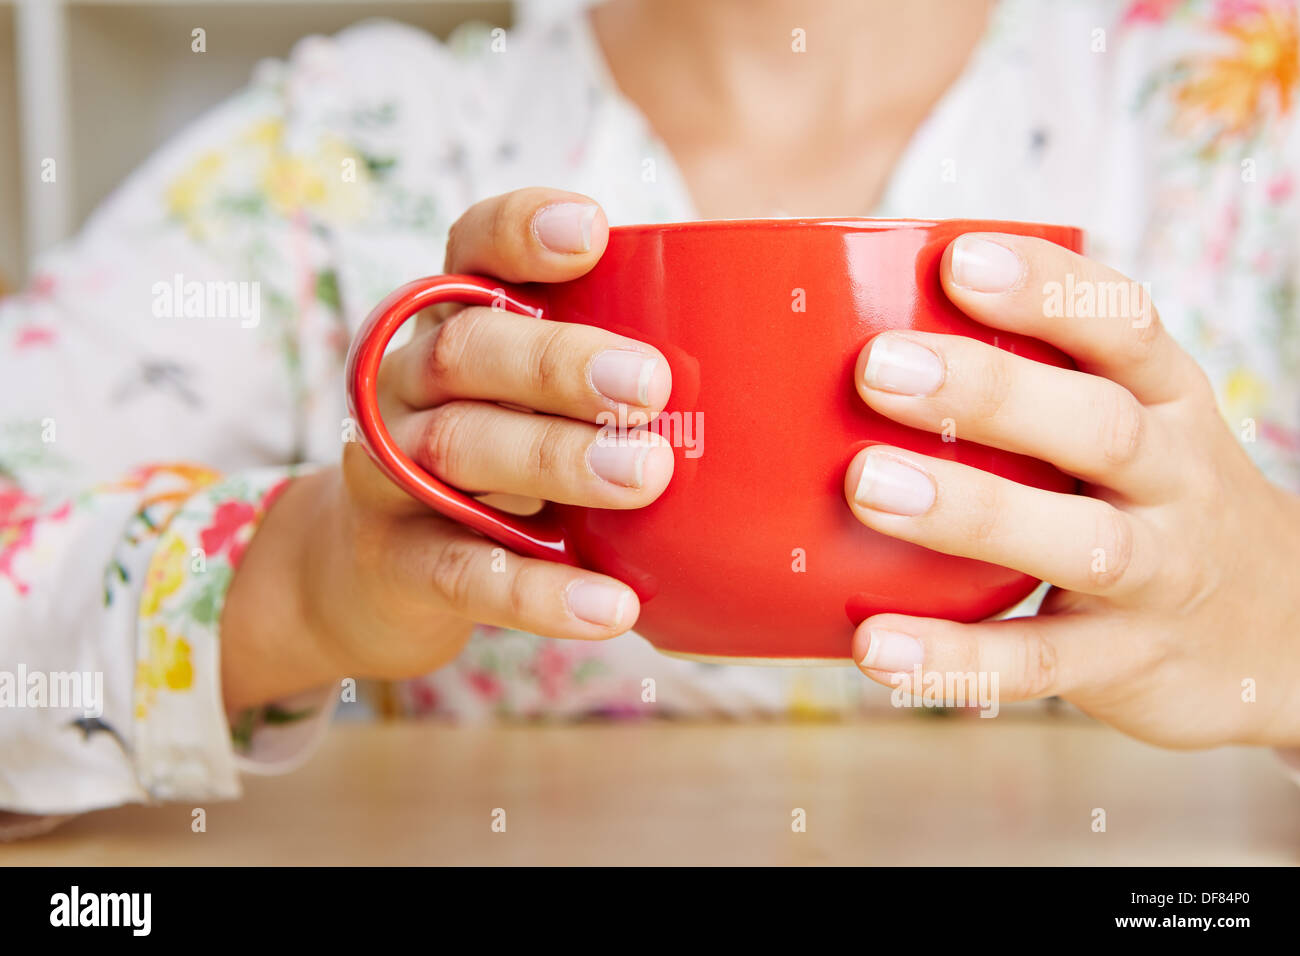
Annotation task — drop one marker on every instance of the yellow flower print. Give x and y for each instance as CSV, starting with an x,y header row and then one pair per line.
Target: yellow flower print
x,y
1233,94
190,189
347,196
166,575
329,178
804,702
267,132
167,667
333,181
1243,393
291,184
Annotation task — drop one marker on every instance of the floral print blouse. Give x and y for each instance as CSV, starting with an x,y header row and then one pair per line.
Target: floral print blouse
x,y
145,428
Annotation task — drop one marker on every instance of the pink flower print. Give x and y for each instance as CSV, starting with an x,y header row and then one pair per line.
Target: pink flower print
x,y
1280,436
1223,237
41,286
1280,187
1149,11
551,667
30,336
484,684
233,525
422,697
1228,12
18,522
226,534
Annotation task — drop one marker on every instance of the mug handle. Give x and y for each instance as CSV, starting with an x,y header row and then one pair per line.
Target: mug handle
x,y
536,536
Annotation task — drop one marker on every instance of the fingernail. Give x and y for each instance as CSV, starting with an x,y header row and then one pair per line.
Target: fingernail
x,y
892,651
888,484
620,460
984,266
598,603
900,366
624,376
565,226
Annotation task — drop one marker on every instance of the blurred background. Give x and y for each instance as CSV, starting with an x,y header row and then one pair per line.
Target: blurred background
x,y
98,85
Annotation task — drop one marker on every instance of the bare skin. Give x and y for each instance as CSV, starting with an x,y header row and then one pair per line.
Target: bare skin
x,y
349,577
817,133
1173,616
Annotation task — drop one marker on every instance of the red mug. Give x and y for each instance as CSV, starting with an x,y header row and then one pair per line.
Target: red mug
x,y
751,554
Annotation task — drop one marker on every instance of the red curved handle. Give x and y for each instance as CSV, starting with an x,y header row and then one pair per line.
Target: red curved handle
x,y
537,536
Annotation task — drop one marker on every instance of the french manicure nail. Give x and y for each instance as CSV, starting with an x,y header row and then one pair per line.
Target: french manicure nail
x,y
598,603
898,365
620,461
565,226
984,266
892,651
622,375
889,484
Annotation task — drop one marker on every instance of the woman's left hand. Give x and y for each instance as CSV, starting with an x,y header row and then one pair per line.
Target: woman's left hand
x,y
1175,611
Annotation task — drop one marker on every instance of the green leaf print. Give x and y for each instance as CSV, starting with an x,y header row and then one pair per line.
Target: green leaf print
x,y
206,605
327,288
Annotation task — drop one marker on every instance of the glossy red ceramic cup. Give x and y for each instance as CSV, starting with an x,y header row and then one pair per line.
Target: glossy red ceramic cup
x,y
751,552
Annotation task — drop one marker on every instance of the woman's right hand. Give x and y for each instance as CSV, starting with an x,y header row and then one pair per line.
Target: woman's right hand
x,y
350,576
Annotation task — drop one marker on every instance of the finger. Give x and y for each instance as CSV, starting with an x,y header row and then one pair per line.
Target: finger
x,y
486,448
1103,320
478,579
573,370
1021,659
529,235
1075,542
1085,425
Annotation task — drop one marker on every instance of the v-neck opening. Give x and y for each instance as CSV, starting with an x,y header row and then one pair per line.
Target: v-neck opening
x,y
974,64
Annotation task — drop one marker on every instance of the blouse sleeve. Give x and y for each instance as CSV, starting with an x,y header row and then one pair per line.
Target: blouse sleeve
x,y
154,380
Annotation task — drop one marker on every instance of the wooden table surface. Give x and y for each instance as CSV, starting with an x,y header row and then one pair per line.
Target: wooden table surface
x,y
904,790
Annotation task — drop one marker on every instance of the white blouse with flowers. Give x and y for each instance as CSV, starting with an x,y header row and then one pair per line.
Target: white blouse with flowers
x,y
142,437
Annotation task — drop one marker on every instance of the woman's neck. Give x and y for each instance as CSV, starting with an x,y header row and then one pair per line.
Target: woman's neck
x,y
777,93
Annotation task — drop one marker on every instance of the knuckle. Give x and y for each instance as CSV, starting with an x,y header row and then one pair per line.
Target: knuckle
x,y
1038,667
499,230
455,241
1122,423
511,222
1114,540
969,657
994,386
443,443
1148,331
1187,582
549,364
521,592
546,453
455,568
1200,389
986,513
449,344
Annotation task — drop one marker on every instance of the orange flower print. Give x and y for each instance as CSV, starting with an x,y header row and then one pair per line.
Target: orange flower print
x,y
166,667
189,479
1228,97
178,482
